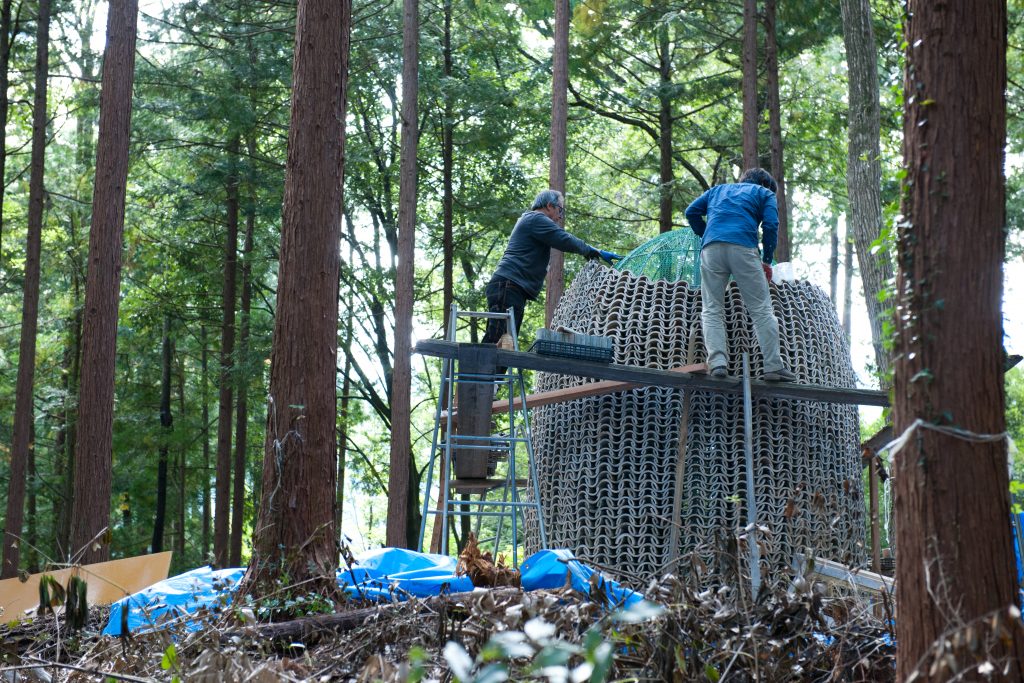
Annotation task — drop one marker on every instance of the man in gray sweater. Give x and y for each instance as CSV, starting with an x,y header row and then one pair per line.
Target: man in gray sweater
x,y
520,273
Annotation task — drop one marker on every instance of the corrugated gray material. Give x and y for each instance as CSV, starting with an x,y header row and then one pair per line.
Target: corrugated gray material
x,y
607,464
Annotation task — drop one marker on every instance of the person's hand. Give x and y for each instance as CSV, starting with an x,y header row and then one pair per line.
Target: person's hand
x,y
609,256
767,271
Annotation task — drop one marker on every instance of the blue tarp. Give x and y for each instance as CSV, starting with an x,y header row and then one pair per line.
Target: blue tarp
x,y
547,568
1019,524
173,597
381,574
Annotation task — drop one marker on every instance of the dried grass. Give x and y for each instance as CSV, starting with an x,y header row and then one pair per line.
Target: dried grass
x,y
708,630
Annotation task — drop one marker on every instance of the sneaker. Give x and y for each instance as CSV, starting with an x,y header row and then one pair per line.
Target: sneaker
x,y
719,372
780,375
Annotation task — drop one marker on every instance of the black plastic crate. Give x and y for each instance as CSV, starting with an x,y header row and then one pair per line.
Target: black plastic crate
x,y
596,354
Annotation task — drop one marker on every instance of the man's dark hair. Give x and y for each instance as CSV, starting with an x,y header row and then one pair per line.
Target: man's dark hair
x,y
759,176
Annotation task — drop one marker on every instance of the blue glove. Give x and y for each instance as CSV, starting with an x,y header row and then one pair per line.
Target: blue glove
x,y
609,256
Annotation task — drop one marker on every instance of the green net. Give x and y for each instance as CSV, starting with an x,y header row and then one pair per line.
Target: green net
x,y
673,256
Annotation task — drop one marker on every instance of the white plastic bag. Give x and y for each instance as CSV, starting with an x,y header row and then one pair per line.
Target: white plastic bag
x,y
782,272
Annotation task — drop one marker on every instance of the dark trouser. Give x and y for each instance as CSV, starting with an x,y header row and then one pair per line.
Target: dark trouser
x,y
503,294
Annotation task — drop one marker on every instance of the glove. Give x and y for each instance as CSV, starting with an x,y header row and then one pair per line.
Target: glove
x,y
609,256
767,270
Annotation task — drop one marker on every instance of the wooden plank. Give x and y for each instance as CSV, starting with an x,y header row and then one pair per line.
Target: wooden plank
x,y
665,378
607,386
684,434
473,398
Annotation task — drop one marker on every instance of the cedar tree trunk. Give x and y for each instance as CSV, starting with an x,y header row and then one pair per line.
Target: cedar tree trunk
x,y
749,59
863,169
955,562
402,472
222,514
666,179
21,442
771,58
93,455
556,169
166,420
294,534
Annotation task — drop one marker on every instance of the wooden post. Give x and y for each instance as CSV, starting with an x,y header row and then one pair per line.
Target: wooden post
x,y
876,541
684,427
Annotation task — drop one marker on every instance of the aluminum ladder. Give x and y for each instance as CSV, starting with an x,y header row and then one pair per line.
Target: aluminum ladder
x,y
474,378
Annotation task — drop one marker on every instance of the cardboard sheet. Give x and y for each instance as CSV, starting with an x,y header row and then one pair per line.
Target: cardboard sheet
x,y
107,581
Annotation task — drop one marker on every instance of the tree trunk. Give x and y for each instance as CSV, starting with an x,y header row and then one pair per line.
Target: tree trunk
x,y
179,541
771,57
85,124
242,406
21,441
166,420
666,178
556,170
847,285
951,496
833,260
68,434
91,511
863,169
6,39
402,466
447,169
343,416
749,59
32,530
296,512
205,480
222,515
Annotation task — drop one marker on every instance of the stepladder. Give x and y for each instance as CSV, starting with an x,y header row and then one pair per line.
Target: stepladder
x,y
483,459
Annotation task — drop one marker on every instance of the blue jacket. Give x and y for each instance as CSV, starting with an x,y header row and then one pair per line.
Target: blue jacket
x,y
525,261
734,213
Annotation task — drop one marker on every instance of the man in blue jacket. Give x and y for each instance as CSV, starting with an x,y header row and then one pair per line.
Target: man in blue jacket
x,y
729,247
522,268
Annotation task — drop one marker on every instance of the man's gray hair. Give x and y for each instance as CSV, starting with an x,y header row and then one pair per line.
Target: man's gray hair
x,y
546,198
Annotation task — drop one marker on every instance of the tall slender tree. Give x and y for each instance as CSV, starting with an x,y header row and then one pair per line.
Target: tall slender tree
x,y
242,402
93,449
749,61
6,41
21,443
955,563
166,422
771,59
295,529
864,168
666,118
222,512
559,124
204,394
401,531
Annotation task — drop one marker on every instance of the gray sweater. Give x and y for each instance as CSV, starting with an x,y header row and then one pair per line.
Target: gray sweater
x,y
525,261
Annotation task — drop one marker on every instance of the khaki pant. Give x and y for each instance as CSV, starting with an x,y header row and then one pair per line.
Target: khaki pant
x,y
718,260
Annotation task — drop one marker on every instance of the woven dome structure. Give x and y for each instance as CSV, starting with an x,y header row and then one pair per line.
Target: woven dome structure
x,y
608,465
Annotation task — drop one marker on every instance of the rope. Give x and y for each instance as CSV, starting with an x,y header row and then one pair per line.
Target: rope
x,y
956,432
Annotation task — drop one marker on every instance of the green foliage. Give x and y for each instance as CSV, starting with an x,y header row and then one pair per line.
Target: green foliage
x,y
1014,382
212,106
169,662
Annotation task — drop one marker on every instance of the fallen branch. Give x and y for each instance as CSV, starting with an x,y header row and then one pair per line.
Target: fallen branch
x,y
310,628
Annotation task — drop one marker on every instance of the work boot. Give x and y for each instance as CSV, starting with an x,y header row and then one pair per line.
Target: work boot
x,y
719,372
780,375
